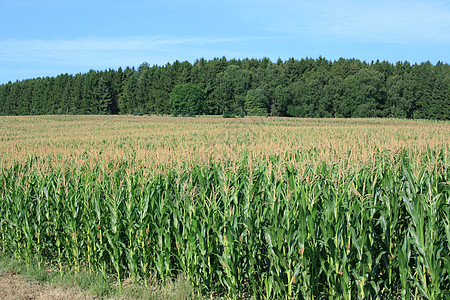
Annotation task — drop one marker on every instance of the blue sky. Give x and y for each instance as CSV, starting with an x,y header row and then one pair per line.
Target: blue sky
x,y
50,37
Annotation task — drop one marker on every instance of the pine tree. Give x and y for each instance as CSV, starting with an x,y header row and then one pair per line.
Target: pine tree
x,y
104,97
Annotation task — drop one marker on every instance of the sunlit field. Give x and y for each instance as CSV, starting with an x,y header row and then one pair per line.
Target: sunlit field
x,y
243,207
156,143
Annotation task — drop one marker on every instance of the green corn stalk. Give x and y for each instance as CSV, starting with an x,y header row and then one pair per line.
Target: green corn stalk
x,y
404,256
114,231
98,214
130,226
57,217
143,238
381,232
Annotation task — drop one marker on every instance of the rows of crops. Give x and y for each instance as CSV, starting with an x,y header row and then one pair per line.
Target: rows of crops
x,y
380,231
155,143
263,208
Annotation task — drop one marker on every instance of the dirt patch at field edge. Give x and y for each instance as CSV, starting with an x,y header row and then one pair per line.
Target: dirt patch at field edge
x,y
17,287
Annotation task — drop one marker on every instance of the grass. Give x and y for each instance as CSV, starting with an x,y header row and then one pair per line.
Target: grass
x,y
93,285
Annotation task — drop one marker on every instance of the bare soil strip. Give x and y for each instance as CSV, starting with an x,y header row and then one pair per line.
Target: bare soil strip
x,y
17,287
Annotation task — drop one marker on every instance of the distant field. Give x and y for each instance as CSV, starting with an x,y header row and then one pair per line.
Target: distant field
x,y
162,142
267,207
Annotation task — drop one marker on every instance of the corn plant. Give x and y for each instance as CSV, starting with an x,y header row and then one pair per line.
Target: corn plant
x,y
264,229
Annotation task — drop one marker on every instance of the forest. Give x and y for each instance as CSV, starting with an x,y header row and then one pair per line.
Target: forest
x,y
230,87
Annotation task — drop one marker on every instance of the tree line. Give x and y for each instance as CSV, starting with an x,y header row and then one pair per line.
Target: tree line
x,y
297,88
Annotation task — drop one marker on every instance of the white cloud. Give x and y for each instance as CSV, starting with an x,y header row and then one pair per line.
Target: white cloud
x,y
95,44
94,51
32,58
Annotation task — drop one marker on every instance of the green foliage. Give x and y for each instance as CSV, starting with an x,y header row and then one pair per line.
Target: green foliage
x,y
380,232
232,86
364,94
300,88
186,100
104,97
256,103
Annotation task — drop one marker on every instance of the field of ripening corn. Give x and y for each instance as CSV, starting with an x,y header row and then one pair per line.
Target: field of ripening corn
x,y
245,208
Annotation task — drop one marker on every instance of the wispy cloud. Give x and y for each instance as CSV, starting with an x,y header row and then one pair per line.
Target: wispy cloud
x,y
127,43
36,57
86,51
14,47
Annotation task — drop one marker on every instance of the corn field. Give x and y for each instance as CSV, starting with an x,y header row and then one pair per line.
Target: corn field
x,y
274,225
